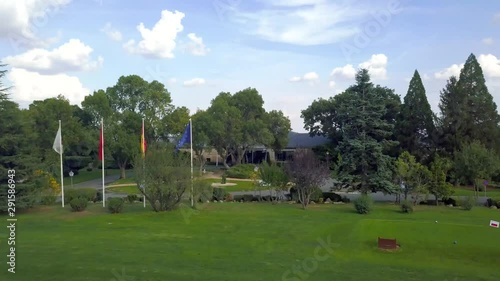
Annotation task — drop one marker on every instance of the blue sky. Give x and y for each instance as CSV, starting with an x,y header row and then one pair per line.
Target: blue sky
x,y
292,51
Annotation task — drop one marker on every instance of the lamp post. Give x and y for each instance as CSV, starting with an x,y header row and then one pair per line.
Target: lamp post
x,y
71,174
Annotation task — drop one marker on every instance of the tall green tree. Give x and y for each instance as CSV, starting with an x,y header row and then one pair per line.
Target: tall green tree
x,y
279,126
451,125
415,127
438,186
366,135
201,131
412,175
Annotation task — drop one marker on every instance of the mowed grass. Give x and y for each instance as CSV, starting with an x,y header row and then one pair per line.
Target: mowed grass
x,y
493,192
127,189
84,175
254,241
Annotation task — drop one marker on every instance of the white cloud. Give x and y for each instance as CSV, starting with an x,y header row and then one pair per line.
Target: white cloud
x,y
426,76
453,70
71,56
172,81
29,86
346,71
194,82
311,77
376,66
111,32
158,42
196,46
305,22
488,41
490,65
22,19
331,84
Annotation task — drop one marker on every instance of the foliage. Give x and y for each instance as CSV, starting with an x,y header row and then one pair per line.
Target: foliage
x,y
438,186
165,175
316,195
366,138
307,173
78,204
203,191
132,198
415,127
413,176
88,194
363,204
406,206
242,171
115,205
219,193
468,203
275,177
474,162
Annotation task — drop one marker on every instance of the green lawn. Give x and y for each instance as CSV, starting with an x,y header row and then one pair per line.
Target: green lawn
x,y
466,191
253,241
129,180
84,175
129,189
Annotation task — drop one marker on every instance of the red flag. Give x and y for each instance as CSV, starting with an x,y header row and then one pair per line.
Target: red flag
x,y
101,144
143,141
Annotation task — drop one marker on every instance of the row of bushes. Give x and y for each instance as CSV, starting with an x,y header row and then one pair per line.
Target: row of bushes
x,y
490,202
115,205
242,171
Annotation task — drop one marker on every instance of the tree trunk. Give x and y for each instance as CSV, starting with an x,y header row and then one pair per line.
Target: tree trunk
x,y
437,203
122,167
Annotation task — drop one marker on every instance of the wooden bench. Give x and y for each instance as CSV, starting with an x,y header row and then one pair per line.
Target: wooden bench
x,y
387,244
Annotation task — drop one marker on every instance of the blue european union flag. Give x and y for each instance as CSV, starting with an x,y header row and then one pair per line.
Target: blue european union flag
x,y
186,137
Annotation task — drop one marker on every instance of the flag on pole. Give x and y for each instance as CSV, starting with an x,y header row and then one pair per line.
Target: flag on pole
x,y
57,146
101,144
101,157
186,137
494,223
143,141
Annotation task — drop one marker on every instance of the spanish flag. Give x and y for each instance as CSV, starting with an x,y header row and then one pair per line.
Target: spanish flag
x,y
143,141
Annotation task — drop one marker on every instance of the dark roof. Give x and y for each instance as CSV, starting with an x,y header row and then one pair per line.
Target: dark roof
x,y
304,140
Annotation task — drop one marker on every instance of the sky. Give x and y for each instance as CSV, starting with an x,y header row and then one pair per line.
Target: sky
x,y
291,51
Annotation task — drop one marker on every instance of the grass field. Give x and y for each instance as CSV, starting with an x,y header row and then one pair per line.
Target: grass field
x,y
128,189
84,175
467,190
254,241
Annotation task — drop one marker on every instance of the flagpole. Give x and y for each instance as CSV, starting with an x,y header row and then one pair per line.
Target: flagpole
x,y
62,173
191,140
143,164
102,164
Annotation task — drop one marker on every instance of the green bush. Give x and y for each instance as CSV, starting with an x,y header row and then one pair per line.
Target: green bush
x,y
346,200
406,206
78,204
223,179
98,197
115,205
132,198
219,194
493,202
316,195
238,198
334,197
48,199
242,171
248,197
450,201
363,204
88,194
468,203
203,191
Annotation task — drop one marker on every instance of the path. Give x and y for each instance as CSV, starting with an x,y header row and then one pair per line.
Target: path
x,y
97,183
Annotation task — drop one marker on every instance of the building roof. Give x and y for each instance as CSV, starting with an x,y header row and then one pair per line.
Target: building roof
x,y
304,140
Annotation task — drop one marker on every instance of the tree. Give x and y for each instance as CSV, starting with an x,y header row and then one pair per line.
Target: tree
x,y
438,186
365,137
279,126
412,175
164,174
451,127
3,91
307,173
274,177
415,127
475,163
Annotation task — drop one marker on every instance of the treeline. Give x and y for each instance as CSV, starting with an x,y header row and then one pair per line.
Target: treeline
x,y
231,124
369,128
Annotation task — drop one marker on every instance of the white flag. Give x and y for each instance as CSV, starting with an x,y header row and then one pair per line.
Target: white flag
x,y
58,142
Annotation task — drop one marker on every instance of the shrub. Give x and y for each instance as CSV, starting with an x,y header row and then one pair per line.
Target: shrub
x,y
98,197
223,179
132,198
346,200
228,197
203,191
248,197
450,201
406,206
334,197
88,194
78,204
242,171
493,202
363,204
89,169
316,195
219,193
468,203
115,205
238,197
48,200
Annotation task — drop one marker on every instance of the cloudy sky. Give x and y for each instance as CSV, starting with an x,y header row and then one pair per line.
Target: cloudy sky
x,y
292,51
